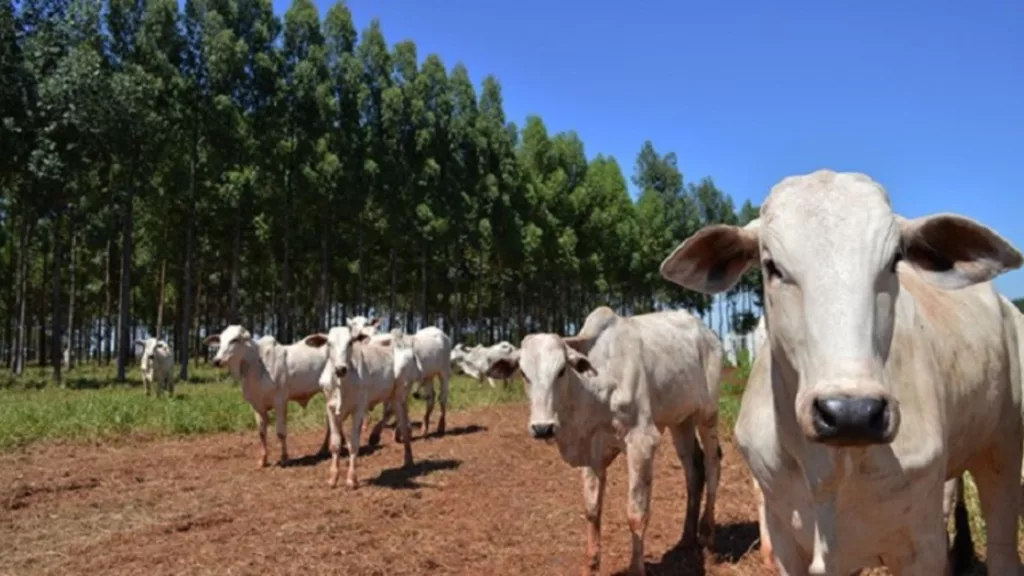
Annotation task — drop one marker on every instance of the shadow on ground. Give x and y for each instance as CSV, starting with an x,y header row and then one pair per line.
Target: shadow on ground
x,y
404,478
732,542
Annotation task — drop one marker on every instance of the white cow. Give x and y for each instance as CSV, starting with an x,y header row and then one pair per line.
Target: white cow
x,y
475,361
614,388
157,366
892,366
362,324
271,375
432,350
364,376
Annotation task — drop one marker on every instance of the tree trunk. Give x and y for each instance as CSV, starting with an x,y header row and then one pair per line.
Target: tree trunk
x,y
56,347
160,302
236,265
71,299
186,292
322,321
124,327
284,314
18,365
41,352
394,288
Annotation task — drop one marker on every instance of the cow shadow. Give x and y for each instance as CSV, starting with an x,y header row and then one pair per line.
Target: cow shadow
x,y
732,542
318,457
457,431
404,478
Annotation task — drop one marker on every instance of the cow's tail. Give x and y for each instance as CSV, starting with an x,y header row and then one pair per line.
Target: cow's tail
x,y
962,553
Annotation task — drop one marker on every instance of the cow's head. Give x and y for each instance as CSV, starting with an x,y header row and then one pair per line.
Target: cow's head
x,y
829,247
148,345
231,344
339,341
363,325
547,363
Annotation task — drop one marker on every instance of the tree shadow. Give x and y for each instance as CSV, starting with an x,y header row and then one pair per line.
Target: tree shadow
x,y
404,478
732,542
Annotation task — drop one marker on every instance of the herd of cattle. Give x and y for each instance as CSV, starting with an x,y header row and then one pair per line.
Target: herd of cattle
x,y
888,366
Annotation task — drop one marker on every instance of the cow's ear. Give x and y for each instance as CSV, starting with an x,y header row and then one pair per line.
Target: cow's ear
x,y
579,362
212,340
244,335
714,258
140,342
954,252
375,322
315,340
361,337
503,368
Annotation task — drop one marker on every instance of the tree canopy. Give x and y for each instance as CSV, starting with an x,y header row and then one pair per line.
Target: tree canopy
x,y
169,170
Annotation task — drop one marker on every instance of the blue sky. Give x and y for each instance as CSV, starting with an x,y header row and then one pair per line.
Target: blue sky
x,y
926,97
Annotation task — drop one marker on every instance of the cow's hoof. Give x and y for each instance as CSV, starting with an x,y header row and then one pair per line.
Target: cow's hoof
x,y
408,462
373,440
706,536
332,479
352,483
440,429
262,462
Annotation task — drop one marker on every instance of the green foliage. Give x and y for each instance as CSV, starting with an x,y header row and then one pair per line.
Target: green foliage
x,y
1019,303
224,164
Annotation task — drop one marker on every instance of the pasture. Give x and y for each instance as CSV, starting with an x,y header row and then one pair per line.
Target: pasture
x,y
102,480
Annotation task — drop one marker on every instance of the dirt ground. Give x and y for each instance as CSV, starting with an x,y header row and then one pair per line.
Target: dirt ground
x,y
485,499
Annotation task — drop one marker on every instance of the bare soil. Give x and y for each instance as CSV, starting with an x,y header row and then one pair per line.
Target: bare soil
x,y
484,499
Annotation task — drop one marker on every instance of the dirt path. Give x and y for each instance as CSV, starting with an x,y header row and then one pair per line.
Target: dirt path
x,y
484,500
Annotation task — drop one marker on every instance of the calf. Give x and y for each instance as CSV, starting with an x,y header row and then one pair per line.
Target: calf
x,y
271,375
364,376
892,366
614,388
157,366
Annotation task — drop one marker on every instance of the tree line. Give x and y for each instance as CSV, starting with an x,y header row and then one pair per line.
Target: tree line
x,y
169,170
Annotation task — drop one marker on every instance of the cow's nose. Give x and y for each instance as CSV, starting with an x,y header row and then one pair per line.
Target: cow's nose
x,y
851,421
542,431
216,362
340,371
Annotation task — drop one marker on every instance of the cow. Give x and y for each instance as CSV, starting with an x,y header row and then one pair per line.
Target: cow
x,y
891,367
157,365
475,361
271,375
613,388
362,324
431,348
364,376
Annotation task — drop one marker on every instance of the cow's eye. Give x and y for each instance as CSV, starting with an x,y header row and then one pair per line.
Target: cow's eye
x,y
771,269
561,372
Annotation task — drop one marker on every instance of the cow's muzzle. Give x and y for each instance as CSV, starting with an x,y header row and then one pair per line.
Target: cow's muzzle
x,y
217,362
854,420
340,371
543,431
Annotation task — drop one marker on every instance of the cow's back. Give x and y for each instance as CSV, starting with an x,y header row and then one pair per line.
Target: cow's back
x,y
433,351
679,356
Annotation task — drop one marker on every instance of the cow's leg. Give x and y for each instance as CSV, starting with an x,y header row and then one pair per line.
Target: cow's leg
x,y
148,383
325,446
685,440
708,430
374,438
427,384
281,423
261,422
789,560
593,501
490,381
767,556
640,447
170,384
928,551
353,445
998,480
401,409
334,422
445,382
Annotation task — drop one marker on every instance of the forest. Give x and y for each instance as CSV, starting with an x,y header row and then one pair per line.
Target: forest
x,y
170,169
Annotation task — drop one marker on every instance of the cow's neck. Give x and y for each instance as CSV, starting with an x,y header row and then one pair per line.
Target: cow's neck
x,y
581,408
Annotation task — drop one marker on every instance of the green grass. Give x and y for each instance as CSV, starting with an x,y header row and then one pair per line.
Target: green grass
x,y
93,407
